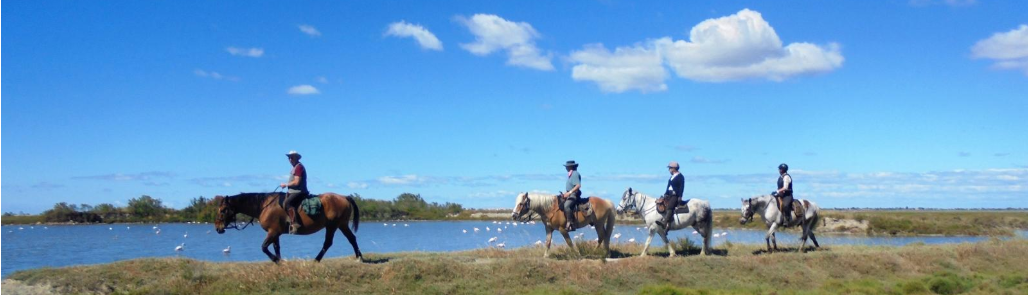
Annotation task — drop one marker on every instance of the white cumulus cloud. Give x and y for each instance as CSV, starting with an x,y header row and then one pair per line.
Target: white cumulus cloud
x,y
310,30
425,39
627,68
735,47
250,52
493,33
303,90
744,46
1008,49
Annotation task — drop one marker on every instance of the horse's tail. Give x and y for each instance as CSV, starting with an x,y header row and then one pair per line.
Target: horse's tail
x,y
611,219
356,213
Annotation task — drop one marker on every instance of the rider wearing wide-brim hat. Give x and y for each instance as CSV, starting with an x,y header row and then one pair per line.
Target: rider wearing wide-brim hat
x,y
297,190
573,187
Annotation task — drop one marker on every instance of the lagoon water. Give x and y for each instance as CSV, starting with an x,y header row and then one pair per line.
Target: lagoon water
x,y
27,247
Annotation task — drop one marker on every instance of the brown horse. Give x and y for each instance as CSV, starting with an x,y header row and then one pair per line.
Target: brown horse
x,y
266,207
601,214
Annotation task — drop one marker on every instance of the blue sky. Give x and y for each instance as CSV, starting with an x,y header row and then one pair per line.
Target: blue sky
x,y
873,104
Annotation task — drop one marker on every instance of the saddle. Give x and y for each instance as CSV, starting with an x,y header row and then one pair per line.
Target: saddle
x,y
662,205
581,207
310,205
799,209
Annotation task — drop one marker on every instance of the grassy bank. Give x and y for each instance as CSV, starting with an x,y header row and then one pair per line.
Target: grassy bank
x,y
990,267
21,219
949,223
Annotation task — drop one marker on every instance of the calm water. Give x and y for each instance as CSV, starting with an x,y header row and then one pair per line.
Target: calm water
x,y
26,247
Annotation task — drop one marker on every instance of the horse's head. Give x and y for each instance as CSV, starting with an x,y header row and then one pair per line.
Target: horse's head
x,y
627,201
747,211
226,213
522,204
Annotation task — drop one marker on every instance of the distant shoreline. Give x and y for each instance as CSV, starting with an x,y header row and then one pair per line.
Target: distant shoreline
x,y
1000,223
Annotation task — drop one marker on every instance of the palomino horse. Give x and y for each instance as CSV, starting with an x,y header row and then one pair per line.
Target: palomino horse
x,y
699,217
546,206
336,210
767,206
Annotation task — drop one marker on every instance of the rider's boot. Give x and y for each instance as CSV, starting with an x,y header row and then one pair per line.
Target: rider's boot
x,y
294,222
569,216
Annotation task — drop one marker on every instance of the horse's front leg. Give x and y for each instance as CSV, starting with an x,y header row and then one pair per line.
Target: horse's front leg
x,y
549,238
770,235
670,248
646,246
269,240
567,238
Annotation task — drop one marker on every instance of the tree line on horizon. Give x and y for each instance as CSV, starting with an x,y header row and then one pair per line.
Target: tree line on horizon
x,y
148,209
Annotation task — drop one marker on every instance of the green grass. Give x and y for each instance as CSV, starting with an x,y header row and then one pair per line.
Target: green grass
x,y
989,267
950,223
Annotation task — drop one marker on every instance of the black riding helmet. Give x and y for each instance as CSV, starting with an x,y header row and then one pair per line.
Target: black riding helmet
x,y
783,167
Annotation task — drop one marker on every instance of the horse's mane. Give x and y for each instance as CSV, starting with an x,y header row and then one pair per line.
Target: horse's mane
x,y
252,200
541,202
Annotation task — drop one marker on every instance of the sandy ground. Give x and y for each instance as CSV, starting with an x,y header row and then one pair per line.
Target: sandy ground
x,y
12,287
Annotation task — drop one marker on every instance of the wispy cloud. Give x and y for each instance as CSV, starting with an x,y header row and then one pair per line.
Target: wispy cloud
x,y
955,3
322,80
214,75
703,160
1009,50
46,185
936,184
305,89
425,38
1001,154
248,52
153,178
494,33
252,180
686,148
309,30
964,154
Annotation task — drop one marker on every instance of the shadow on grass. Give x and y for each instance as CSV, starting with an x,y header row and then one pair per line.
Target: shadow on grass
x,y
376,260
763,251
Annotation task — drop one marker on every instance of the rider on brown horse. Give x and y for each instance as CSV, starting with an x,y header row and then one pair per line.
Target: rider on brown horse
x,y
574,192
784,192
297,190
673,194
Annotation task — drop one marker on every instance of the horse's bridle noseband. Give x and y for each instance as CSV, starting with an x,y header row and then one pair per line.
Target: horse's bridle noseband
x,y
748,215
523,206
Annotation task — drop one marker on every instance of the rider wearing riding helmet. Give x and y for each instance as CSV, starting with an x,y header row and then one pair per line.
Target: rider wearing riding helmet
x,y
784,192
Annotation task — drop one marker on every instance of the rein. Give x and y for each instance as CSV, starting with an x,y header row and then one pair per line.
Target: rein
x,y
235,225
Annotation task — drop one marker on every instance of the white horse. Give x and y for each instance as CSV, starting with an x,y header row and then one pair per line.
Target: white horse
x,y
768,207
601,215
699,217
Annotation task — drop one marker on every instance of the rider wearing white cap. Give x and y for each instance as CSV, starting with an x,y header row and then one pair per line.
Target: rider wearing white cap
x,y
297,190
673,193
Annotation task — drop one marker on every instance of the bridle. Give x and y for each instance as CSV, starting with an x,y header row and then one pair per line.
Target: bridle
x,y
523,207
748,215
634,205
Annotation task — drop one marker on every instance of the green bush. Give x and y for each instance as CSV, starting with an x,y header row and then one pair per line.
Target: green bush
x,y
949,283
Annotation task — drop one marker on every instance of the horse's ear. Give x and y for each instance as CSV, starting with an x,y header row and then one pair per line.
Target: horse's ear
x,y
629,190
